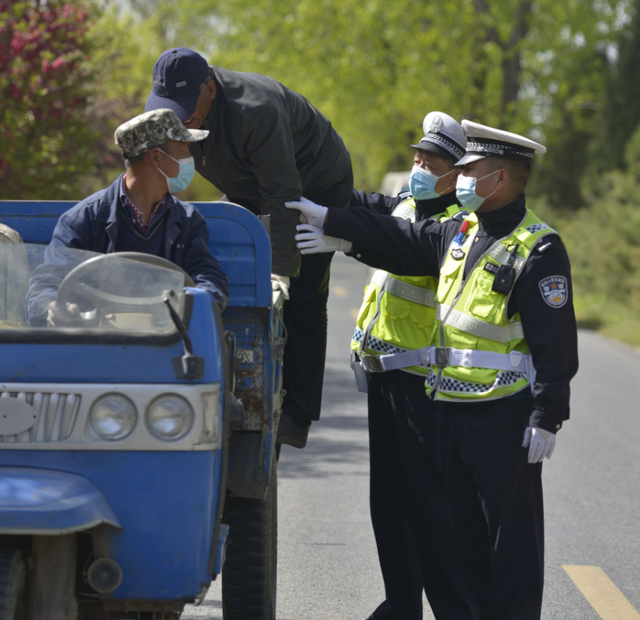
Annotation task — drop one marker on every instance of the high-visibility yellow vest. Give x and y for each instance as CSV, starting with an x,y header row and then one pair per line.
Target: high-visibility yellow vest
x,y
481,354
398,312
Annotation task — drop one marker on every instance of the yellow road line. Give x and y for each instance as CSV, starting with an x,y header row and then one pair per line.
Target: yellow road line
x,y
354,313
602,593
340,291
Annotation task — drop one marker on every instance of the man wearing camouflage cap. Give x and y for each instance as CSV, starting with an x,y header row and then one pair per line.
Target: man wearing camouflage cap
x,y
138,212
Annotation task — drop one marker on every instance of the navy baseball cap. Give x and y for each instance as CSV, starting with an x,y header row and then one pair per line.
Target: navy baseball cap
x,y
177,77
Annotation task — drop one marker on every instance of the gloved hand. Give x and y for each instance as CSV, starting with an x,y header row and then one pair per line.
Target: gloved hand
x,y
280,283
541,443
311,213
312,240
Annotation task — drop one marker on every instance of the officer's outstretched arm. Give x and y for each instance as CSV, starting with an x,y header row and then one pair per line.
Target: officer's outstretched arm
x,y
420,243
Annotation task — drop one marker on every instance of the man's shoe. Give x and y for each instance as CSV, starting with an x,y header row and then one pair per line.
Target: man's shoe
x,y
383,612
292,431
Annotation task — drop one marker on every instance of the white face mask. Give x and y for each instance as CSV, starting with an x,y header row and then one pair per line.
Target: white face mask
x,y
466,191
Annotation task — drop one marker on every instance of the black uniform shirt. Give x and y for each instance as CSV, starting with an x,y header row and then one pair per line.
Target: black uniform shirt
x,y
398,246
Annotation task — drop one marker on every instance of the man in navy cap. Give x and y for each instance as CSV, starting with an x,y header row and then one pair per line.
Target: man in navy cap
x,y
504,352
267,144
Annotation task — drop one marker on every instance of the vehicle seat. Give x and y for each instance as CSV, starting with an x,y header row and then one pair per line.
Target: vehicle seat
x,y
14,279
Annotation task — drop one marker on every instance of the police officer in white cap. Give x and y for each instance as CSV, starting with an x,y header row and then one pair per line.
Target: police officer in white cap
x,y
414,536
505,351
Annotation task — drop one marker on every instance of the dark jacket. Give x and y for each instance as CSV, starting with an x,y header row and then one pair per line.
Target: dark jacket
x,y
420,249
93,225
267,144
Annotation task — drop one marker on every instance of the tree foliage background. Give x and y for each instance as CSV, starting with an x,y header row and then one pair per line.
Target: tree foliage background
x,y
564,73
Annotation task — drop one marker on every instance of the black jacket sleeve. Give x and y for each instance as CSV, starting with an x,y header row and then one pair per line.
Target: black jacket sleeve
x,y
549,325
269,146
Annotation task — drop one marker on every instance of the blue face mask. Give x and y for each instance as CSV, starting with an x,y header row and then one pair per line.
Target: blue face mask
x,y
466,192
422,183
185,176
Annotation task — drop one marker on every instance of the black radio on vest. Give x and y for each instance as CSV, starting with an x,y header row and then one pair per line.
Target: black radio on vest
x,y
506,275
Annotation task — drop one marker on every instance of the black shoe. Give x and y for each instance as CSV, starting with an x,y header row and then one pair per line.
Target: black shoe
x,y
292,431
383,612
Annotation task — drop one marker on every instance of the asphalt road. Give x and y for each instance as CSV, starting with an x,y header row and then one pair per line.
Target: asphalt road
x,y
327,559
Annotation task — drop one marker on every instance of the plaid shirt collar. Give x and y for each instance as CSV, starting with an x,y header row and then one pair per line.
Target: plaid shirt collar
x,y
137,215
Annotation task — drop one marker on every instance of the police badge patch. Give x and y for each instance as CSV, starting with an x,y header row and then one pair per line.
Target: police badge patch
x,y
436,124
554,291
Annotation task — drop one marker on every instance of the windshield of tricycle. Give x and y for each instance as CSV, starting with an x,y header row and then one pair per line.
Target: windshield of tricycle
x,y
60,288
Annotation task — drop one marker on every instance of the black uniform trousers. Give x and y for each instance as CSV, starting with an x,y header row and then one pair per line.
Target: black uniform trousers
x,y
495,497
412,525
305,319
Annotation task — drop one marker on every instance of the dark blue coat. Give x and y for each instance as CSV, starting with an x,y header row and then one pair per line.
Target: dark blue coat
x,y
93,225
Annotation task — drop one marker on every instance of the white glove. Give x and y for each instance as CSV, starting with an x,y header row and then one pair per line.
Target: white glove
x,y
541,443
312,240
280,283
310,212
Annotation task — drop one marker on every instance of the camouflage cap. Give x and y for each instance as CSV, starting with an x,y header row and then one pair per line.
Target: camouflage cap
x,y
151,129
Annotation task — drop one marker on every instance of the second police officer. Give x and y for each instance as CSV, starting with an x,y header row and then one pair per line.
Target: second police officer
x,y
505,352
412,525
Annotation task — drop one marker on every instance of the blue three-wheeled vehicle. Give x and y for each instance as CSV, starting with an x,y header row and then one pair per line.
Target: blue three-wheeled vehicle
x,y
137,444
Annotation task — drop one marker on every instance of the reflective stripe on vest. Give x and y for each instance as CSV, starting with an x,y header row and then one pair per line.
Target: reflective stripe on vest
x,y
404,290
477,327
398,312
470,315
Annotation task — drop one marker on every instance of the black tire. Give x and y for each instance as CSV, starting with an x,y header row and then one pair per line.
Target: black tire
x,y
249,574
13,585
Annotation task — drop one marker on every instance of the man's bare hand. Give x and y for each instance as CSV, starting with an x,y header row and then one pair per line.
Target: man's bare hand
x,y
57,316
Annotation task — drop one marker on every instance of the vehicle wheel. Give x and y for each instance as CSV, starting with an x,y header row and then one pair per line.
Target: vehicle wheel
x,y
250,570
13,585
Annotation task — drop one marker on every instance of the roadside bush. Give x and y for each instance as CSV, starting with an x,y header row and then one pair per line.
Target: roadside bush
x,y
603,240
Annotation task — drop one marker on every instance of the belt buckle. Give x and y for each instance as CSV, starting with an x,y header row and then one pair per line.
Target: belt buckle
x,y
443,355
372,363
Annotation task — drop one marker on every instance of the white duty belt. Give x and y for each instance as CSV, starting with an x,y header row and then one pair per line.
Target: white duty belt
x,y
446,356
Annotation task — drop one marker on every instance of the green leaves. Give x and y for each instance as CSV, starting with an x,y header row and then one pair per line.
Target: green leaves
x,y
374,68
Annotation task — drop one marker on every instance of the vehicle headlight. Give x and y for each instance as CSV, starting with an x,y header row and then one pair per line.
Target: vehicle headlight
x,y
113,416
170,417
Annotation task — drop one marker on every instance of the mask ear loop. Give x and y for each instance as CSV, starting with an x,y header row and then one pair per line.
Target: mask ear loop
x,y
166,176
442,177
484,177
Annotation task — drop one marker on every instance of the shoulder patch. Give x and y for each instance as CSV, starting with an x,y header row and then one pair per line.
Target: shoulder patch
x,y
554,291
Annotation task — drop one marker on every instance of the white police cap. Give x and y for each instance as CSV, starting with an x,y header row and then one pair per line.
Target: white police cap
x,y
443,136
484,141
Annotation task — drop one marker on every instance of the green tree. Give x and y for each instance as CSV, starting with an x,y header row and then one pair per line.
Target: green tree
x,y
376,68
621,111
